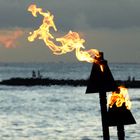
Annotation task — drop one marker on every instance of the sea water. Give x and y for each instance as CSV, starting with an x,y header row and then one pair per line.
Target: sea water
x,y
59,112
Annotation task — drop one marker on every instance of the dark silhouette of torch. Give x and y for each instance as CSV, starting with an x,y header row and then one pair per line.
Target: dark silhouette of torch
x,y
102,81
120,116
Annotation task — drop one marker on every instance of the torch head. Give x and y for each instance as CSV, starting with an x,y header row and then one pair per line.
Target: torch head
x,y
119,106
120,116
100,79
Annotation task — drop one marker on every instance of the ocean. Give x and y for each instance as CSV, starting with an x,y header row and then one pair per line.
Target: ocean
x,y
59,112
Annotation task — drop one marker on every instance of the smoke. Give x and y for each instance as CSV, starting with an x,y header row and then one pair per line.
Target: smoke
x,y
8,38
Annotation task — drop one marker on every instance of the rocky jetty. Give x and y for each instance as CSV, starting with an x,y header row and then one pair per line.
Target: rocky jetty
x,y
62,82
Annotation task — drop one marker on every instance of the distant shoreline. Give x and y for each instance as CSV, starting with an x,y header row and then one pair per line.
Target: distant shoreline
x,y
63,82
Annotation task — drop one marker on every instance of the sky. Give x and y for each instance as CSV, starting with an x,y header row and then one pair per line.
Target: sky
x,y
110,26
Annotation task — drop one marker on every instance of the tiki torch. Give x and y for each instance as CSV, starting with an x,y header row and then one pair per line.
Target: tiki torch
x,y
102,81
119,111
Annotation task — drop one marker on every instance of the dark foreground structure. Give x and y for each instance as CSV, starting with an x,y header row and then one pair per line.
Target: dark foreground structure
x,y
70,82
102,81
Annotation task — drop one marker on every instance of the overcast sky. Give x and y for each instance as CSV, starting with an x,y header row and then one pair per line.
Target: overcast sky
x,y
111,26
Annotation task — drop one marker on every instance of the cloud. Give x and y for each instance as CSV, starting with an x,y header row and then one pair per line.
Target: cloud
x,y
8,38
97,13
111,26
120,45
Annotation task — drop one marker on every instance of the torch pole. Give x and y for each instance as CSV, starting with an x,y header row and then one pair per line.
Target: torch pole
x,y
103,104
121,134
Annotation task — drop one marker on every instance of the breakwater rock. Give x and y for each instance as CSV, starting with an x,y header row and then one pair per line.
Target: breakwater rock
x,y
62,82
42,82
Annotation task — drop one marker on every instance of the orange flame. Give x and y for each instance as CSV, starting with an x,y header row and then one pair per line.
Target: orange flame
x,y
68,43
120,98
101,67
8,38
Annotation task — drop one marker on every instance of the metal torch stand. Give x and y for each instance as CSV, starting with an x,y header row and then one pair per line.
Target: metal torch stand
x,y
121,134
103,104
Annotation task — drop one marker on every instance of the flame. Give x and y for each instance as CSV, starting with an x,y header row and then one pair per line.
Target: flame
x,y
101,67
120,98
8,38
68,43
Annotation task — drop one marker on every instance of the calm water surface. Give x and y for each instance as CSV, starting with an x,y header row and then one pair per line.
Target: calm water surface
x,y
59,112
